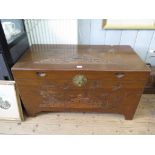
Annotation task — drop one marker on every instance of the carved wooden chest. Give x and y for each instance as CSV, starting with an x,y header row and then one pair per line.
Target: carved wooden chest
x,y
93,78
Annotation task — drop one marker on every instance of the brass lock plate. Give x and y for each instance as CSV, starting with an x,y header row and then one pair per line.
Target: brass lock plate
x,y
79,80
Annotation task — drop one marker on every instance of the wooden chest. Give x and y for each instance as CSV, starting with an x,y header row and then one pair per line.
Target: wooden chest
x,y
87,78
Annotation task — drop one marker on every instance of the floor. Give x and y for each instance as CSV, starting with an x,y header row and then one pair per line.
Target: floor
x,y
87,123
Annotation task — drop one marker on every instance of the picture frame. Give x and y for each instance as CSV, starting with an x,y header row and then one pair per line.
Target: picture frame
x,y
10,105
130,24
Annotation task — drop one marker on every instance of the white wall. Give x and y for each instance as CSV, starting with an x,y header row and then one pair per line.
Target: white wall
x,y
90,32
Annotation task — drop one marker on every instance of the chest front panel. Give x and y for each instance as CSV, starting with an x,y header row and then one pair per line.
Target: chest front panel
x,y
78,90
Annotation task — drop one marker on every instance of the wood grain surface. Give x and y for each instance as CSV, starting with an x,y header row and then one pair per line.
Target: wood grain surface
x,y
92,57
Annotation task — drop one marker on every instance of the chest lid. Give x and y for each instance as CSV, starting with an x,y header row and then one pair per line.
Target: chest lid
x,y
81,57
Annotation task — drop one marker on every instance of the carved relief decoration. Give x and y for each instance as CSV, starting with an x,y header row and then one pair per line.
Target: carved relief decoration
x,y
87,58
55,94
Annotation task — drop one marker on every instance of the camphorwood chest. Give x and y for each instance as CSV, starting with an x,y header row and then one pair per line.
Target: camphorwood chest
x,y
86,78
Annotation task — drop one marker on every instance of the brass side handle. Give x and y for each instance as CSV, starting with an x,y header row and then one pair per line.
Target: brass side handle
x,y
41,74
79,80
119,75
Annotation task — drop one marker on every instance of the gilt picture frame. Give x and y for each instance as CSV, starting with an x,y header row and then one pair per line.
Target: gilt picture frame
x,y
130,24
10,105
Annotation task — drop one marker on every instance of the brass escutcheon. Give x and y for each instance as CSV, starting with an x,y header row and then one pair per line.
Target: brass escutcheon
x,y
79,80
